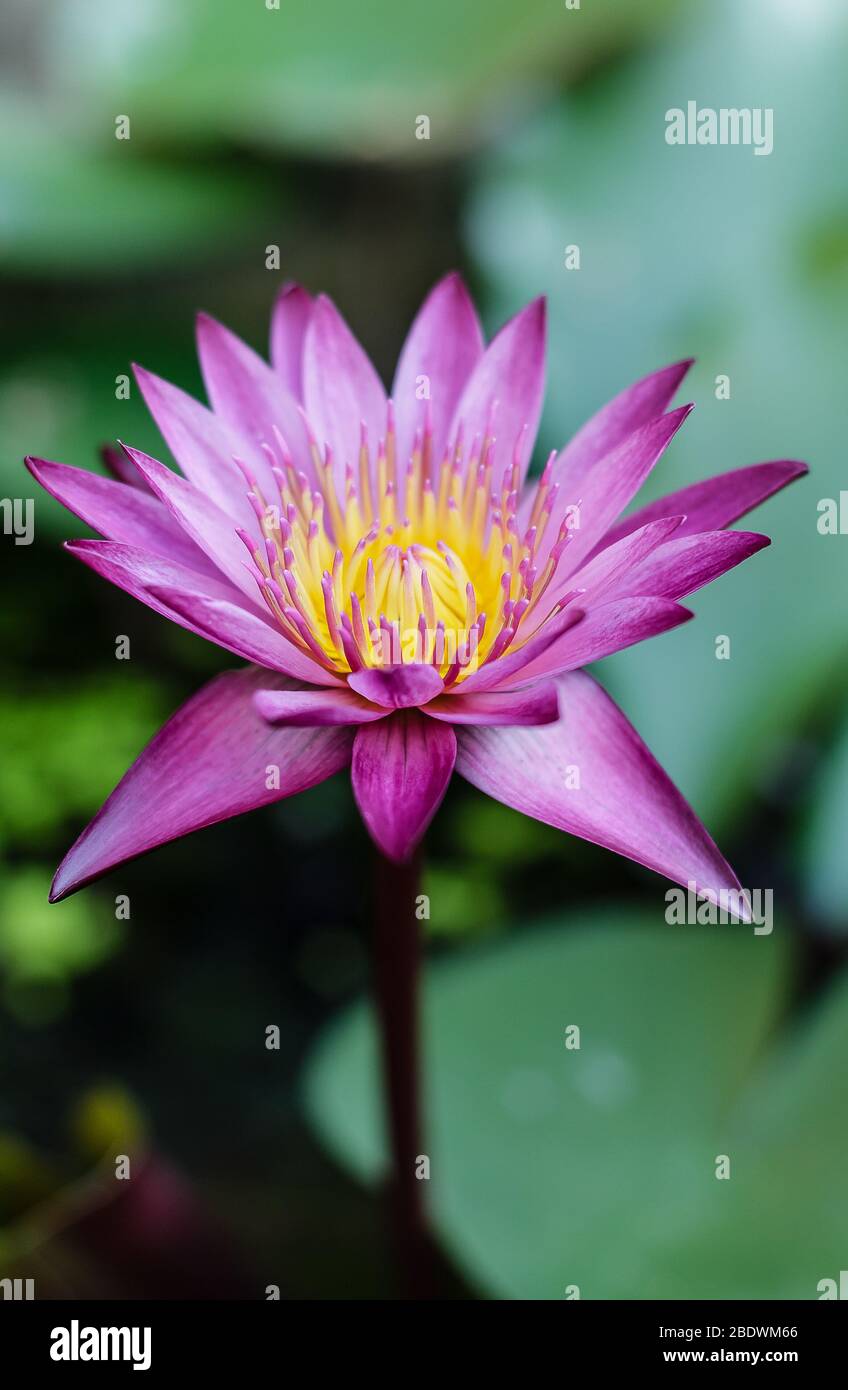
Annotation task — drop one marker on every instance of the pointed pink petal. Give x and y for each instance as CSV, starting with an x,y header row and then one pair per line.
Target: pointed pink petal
x,y
213,759
210,528
613,482
248,394
310,709
511,372
443,345
400,771
121,513
591,775
340,386
685,564
606,629
243,632
141,574
288,330
536,705
612,565
716,502
396,687
204,446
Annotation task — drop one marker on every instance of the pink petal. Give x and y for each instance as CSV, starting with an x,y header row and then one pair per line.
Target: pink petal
x,y
204,446
444,344
686,563
243,632
615,563
623,799
613,482
310,709
120,512
210,528
511,372
538,704
396,687
288,330
248,394
141,574
715,502
400,771
606,629
340,387
213,759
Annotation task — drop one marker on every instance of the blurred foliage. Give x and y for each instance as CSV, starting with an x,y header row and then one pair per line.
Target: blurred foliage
x,y
66,748
597,1166
824,848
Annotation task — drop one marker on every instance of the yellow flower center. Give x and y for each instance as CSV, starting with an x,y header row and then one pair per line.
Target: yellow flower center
x,y
420,564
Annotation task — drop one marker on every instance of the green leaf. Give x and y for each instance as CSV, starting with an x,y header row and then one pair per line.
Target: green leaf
x,y
597,1166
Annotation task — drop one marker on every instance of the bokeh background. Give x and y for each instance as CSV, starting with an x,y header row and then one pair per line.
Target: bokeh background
x,y
252,128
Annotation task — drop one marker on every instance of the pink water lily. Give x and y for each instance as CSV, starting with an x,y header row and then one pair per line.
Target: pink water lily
x,y
409,604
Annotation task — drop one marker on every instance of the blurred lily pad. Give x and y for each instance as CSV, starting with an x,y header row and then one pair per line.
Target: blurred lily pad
x,y
328,78
597,1166
70,203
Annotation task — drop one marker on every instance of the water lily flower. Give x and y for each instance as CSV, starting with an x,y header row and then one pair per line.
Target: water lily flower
x,y
408,603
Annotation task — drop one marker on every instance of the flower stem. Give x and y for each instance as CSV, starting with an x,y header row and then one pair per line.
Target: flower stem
x,y
397,953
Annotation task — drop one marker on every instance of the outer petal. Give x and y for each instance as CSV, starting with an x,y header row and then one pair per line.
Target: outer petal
x,y
147,576
210,528
613,482
624,799
611,566
400,771
120,512
511,372
681,566
340,386
243,632
715,502
246,393
606,629
288,330
314,709
204,446
397,687
537,705
444,345
212,760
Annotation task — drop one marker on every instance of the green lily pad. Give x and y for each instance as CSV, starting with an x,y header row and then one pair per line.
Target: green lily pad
x,y
597,1166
